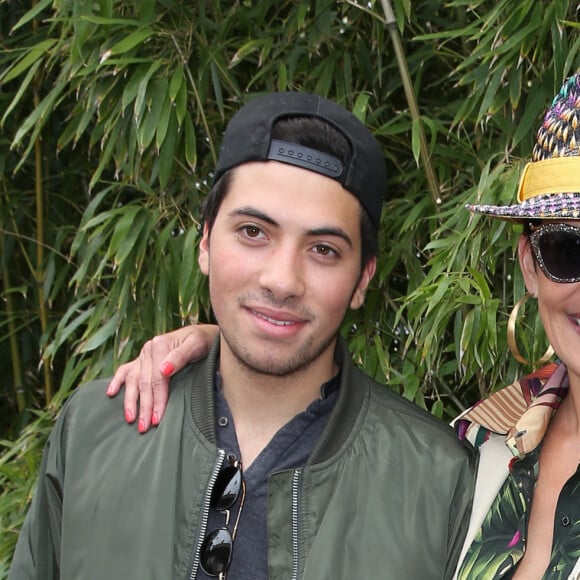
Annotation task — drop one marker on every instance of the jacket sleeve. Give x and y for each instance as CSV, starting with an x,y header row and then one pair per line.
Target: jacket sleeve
x,y
460,509
36,556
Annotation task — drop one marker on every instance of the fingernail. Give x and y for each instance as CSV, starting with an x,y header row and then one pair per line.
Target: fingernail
x,y
167,369
129,417
141,425
155,419
109,390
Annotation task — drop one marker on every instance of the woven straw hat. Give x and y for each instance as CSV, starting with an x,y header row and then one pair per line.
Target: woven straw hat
x,y
550,184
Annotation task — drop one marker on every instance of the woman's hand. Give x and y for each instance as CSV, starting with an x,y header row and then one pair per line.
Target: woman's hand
x,y
146,378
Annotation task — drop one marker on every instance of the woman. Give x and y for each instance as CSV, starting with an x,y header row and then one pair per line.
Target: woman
x,y
527,505
527,500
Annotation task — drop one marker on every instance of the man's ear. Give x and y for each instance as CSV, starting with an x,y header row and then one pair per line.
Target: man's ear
x,y
203,258
366,276
528,264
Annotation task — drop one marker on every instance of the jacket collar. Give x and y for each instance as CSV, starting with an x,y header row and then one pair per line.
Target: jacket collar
x,y
340,423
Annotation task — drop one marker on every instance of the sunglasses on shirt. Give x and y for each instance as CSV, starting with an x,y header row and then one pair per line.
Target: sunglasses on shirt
x,y
217,547
556,248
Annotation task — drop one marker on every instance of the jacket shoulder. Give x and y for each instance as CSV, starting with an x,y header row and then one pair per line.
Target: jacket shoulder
x,y
390,407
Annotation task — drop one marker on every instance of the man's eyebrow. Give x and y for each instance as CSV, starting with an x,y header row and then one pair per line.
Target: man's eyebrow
x,y
253,212
331,231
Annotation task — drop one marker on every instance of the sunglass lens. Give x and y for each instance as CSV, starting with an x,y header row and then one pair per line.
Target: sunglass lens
x,y
227,488
561,253
216,552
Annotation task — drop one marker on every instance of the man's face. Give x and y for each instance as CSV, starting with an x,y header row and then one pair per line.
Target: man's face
x,y
283,259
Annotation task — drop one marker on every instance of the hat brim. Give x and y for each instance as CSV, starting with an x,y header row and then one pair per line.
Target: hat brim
x,y
543,207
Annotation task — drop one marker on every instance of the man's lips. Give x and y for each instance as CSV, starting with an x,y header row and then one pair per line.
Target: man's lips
x,y
276,317
274,321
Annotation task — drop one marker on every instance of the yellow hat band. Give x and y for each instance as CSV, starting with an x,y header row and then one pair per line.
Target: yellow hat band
x,y
556,175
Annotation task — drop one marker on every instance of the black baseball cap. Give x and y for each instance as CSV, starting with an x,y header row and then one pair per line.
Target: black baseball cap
x,y
248,138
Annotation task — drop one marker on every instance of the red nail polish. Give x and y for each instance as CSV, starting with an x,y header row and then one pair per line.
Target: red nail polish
x,y
141,425
167,369
129,417
155,419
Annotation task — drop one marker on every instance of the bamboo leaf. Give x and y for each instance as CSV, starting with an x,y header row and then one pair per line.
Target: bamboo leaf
x,y
325,76
175,83
167,153
190,143
282,83
39,114
142,92
146,10
529,117
416,140
360,106
411,388
101,218
24,85
187,270
244,50
97,339
31,58
516,88
32,14
181,104
127,231
163,123
132,86
69,323
109,20
217,89
36,121
109,145
129,42
146,131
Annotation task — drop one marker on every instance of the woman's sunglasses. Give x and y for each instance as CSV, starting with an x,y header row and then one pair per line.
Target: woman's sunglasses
x,y
217,548
556,248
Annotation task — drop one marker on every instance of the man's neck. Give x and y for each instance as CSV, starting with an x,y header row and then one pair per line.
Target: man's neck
x,y
261,404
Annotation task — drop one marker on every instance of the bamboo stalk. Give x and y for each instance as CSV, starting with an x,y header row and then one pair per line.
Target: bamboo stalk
x,y
391,25
12,334
39,270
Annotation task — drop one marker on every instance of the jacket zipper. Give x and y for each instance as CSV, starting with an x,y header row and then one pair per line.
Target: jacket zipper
x,y
205,512
296,480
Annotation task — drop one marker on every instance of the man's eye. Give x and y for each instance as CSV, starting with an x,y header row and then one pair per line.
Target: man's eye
x,y
252,231
324,250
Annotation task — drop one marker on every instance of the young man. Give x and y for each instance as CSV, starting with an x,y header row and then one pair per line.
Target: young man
x,y
341,478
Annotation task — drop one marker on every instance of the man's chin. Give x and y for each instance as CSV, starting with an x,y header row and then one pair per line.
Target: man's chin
x,y
274,367
274,363
277,361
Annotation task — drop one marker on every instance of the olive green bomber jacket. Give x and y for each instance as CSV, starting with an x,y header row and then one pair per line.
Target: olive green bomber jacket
x,y
386,492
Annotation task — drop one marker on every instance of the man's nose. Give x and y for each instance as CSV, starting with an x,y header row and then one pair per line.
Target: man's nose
x,y
282,272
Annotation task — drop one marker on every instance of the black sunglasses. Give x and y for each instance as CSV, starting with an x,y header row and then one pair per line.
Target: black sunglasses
x,y
217,548
556,248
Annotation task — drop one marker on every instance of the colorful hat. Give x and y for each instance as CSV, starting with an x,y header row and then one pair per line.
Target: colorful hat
x,y
550,185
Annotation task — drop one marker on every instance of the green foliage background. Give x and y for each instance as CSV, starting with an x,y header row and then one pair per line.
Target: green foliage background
x,y
111,114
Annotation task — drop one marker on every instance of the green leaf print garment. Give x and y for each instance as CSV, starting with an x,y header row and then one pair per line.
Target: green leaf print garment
x,y
521,412
500,543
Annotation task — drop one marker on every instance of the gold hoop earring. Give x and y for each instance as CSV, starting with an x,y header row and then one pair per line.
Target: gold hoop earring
x,y
511,338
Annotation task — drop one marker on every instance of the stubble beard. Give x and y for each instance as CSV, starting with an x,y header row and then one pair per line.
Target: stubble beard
x,y
271,364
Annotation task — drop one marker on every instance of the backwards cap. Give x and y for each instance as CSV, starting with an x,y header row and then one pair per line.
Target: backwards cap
x,y
248,137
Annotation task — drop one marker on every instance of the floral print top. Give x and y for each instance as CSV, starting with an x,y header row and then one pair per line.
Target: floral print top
x,y
521,412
